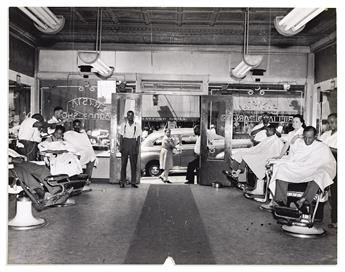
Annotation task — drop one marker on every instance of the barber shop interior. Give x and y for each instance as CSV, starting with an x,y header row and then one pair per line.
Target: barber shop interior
x,y
177,135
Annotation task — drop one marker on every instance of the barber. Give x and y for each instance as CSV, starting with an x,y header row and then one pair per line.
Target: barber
x,y
329,137
130,133
29,136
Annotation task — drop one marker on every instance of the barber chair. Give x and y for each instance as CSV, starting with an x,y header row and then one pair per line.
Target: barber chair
x,y
24,219
27,197
257,189
301,222
76,182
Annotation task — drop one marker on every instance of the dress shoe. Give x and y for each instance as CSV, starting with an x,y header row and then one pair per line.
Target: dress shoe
x,y
135,186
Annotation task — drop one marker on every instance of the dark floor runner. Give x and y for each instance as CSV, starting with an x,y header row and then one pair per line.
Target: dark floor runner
x,y
169,225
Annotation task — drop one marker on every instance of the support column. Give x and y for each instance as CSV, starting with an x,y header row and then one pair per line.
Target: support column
x,y
310,97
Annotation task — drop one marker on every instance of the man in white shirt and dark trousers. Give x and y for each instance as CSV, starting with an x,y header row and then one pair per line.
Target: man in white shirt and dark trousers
x,y
130,133
194,164
329,137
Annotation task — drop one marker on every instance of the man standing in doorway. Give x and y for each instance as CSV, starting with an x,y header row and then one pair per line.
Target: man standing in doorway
x,y
130,133
194,164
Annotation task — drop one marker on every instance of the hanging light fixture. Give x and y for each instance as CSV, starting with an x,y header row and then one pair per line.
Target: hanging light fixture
x,y
295,21
248,61
92,58
44,19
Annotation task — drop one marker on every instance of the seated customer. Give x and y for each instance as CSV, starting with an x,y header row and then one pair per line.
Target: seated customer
x,y
256,157
62,156
311,161
81,143
33,175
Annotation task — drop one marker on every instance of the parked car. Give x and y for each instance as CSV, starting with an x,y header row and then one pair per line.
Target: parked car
x,y
151,147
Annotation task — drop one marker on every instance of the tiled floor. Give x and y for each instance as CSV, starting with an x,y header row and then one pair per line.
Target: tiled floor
x,y
103,225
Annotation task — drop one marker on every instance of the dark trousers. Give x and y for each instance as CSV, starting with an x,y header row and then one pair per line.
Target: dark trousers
x,y
89,169
133,160
129,149
192,166
33,175
29,150
282,189
235,165
334,196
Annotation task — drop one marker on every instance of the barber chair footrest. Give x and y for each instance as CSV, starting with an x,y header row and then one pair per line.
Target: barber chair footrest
x,y
69,202
304,232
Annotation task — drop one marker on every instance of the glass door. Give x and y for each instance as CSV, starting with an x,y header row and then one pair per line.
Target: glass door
x,y
121,104
216,132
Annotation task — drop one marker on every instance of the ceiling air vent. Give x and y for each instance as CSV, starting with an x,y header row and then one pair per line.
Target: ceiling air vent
x,y
163,85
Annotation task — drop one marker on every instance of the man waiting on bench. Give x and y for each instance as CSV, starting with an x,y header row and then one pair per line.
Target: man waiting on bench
x,y
311,161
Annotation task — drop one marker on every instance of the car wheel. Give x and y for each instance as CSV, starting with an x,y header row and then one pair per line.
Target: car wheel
x,y
153,169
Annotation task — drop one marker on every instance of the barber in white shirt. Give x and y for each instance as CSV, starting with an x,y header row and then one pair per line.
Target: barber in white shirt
x,y
259,131
329,137
56,119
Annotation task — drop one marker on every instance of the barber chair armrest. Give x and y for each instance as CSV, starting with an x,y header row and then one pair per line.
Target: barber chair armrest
x,y
57,178
79,177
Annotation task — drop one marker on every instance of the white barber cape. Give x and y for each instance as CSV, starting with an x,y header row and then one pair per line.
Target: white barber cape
x,y
66,163
256,157
81,143
313,162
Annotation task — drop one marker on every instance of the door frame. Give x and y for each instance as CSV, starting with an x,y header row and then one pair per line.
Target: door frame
x,y
115,161
206,176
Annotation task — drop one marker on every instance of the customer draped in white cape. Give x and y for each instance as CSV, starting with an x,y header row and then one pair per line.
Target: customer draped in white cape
x,y
311,161
256,157
81,143
62,156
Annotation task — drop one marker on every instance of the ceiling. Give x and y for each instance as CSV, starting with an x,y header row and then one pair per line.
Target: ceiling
x,y
135,26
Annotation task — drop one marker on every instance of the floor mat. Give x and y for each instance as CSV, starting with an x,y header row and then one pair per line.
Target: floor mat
x,y
170,225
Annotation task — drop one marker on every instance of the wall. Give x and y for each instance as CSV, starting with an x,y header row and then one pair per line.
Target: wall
x,y
326,63
281,67
21,57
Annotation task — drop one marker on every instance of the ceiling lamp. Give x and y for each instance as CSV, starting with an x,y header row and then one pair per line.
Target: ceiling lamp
x,y
295,21
248,61
92,58
44,20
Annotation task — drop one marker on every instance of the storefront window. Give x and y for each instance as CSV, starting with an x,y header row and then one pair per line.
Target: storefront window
x,y
248,110
88,100
19,107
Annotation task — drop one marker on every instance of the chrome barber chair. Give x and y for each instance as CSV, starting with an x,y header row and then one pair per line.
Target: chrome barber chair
x,y
27,197
257,189
305,221
301,222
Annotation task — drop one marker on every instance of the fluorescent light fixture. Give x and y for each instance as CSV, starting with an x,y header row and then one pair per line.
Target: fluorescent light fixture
x,y
295,20
248,62
44,20
93,58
